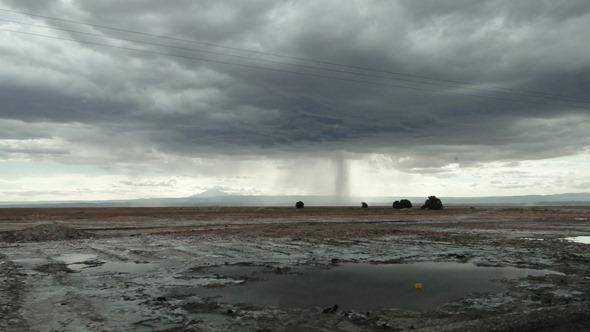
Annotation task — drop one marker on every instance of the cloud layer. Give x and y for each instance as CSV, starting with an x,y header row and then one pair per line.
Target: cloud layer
x,y
498,81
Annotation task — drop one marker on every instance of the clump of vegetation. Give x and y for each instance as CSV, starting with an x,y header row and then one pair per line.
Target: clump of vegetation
x,y
364,205
299,205
402,204
432,203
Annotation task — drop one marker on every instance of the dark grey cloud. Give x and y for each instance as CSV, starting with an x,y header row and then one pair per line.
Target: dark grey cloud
x,y
177,105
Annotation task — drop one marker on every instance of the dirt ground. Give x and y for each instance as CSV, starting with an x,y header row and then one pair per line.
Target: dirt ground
x,y
140,269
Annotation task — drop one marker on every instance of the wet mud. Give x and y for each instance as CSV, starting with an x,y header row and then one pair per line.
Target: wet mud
x,y
457,270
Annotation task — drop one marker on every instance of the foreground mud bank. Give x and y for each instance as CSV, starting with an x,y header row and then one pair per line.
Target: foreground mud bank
x,y
176,277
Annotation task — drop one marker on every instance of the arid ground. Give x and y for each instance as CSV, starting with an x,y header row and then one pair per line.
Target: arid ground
x,y
155,269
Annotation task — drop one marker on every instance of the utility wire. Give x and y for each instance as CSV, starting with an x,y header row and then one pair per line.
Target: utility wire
x,y
256,67
340,71
523,92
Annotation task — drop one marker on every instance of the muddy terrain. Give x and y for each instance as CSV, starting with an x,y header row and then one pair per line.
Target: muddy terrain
x,y
282,269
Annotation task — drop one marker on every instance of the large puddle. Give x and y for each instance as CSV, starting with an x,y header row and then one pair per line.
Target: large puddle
x,y
362,287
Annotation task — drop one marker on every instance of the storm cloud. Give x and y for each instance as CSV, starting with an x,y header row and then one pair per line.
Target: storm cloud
x,y
451,82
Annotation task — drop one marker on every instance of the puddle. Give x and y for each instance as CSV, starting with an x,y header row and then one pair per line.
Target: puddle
x,y
90,263
30,262
125,267
75,258
532,239
113,267
363,287
579,239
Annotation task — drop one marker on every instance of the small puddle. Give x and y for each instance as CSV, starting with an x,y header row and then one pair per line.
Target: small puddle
x,y
579,239
75,258
113,267
91,263
124,267
30,262
363,287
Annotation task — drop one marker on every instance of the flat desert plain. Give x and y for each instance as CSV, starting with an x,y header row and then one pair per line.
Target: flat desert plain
x,y
286,269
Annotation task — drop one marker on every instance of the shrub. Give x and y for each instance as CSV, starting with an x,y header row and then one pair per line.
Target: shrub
x,y
299,205
364,205
402,204
432,203
406,204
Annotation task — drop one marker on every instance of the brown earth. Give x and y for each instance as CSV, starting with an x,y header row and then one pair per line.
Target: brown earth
x,y
278,222
33,240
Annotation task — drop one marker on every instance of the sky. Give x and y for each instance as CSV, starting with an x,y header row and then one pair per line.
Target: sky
x,y
132,99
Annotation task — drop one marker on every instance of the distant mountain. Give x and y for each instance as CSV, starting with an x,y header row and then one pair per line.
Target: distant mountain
x,y
217,197
214,192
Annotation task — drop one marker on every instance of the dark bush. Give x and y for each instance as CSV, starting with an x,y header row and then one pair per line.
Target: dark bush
x,y
364,205
299,205
432,203
402,204
406,204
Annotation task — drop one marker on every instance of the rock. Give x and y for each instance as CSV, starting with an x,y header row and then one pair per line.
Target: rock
x,y
330,310
299,205
432,203
364,205
356,316
281,269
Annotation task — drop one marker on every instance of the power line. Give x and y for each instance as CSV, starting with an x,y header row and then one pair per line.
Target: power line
x,y
208,51
339,71
256,67
522,92
205,59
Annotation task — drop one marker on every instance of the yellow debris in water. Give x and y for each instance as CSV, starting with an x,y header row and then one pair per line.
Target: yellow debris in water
x,y
418,285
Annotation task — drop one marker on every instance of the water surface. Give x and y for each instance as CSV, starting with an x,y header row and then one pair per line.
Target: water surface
x,y
364,287
91,264
579,239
